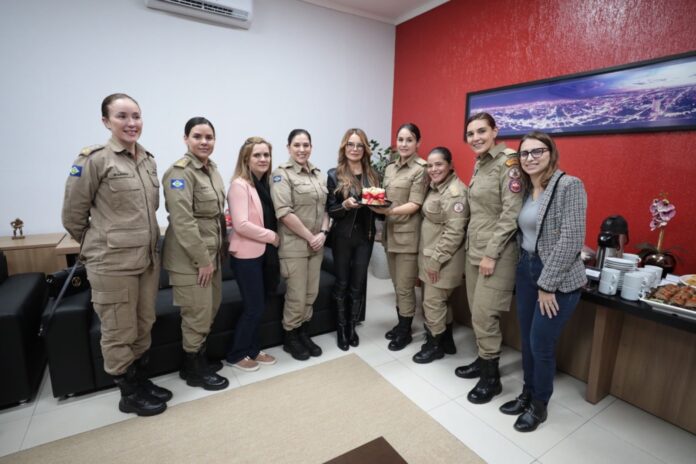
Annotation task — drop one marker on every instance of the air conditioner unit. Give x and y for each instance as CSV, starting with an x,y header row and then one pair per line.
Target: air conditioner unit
x,y
237,13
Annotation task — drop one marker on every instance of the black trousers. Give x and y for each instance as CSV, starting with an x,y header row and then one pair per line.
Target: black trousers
x,y
351,258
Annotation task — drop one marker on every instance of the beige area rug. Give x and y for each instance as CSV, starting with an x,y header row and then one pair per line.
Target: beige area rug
x,y
308,416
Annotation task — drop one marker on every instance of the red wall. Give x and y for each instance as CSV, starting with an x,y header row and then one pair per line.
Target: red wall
x,y
470,45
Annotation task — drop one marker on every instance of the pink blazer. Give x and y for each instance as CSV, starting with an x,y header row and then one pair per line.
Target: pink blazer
x,y
248,238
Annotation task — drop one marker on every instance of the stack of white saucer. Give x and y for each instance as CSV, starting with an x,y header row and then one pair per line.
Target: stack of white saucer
x,y
623,265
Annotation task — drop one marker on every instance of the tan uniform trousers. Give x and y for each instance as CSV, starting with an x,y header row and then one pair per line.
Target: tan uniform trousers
x,y
199,306
436,308
488,298
302,279
126,308
403,268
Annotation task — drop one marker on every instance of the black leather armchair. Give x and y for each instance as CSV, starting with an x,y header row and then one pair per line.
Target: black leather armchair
x,y
22,354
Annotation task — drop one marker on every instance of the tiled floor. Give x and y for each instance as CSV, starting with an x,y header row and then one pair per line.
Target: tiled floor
x,y
576,431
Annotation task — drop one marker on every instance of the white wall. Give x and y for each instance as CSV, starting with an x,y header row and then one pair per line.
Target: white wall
x,y
299,65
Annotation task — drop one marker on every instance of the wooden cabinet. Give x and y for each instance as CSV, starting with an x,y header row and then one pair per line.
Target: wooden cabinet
x,y
33,253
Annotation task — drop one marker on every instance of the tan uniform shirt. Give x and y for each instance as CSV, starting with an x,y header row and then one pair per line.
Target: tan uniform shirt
x,y
195,199
109,207
495,200
445,216
403,183
302,191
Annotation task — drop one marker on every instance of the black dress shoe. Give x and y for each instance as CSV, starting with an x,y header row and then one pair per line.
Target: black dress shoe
x,y
488,385
534,415
518,405
469,371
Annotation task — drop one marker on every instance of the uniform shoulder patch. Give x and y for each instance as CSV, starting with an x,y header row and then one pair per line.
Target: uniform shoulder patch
x,y
277,178
76,171
458,207
91,149
515,185
177,184
510,162
182,163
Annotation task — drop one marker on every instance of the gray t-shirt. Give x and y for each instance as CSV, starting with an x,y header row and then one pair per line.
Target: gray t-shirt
x,y
527,222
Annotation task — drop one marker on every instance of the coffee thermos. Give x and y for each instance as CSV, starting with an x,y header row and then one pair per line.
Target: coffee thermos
x,y
613,236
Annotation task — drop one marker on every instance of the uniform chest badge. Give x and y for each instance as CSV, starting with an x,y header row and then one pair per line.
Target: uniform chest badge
x,y
277,179
458,207
514,173
515,185
177,184
76,171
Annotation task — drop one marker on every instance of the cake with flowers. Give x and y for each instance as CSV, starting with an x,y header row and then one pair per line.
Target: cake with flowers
x,y
373,196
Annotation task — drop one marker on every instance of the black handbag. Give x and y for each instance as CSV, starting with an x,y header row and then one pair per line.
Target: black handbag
x,y
63,283
75,276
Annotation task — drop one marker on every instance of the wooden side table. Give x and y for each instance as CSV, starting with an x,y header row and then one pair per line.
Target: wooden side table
x,y
33,253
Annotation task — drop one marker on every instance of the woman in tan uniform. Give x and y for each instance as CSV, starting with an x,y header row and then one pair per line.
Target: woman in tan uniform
x,y
298,190
404,184
441,256
495,202
111,196
195,199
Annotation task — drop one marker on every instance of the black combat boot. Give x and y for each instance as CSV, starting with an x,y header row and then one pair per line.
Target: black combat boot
x,y
341,324
146,384
469,371
488,385
134,398
402,333
214,365
534,415
392,332
518,405
448,340
197,373
355,309
313,348
294,346
432,349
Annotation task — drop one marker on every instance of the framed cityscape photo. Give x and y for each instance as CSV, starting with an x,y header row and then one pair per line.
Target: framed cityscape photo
x,y
655,95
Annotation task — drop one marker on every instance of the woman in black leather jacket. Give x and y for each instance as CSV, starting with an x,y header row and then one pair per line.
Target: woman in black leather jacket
x,y
352,232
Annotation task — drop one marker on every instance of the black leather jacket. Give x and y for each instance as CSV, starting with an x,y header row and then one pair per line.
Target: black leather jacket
x,y
343,219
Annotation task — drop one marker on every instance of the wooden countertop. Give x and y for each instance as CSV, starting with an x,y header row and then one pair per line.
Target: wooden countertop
x,y
31,241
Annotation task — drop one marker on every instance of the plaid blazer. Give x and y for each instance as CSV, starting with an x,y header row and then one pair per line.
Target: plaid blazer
x,y
561,234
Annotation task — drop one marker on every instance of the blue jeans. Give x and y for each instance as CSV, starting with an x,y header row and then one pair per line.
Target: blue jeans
x,y
249,275
539,333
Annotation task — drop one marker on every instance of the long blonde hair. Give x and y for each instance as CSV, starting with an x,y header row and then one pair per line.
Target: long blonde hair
x,y
346,179
242,169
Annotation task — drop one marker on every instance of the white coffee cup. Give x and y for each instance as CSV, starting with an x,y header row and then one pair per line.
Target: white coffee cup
x,y
630,293
607,288
632,257
655,270
639,280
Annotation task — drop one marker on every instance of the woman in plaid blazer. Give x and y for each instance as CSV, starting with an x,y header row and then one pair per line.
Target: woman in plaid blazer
x,y
550,272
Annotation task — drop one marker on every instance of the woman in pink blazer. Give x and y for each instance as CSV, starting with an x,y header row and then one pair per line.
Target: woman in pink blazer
x,y
253,249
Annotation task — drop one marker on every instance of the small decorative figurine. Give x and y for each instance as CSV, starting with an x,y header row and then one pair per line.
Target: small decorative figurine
x,y
17,224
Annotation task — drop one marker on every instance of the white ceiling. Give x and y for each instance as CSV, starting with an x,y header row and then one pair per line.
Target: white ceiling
x,y
388,11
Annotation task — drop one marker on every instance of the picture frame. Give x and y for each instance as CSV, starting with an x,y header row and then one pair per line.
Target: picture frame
x,y
646,96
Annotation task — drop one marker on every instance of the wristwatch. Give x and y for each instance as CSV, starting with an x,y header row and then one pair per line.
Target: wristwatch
x,y
324,231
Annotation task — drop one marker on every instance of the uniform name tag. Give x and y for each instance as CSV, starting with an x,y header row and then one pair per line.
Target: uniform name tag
x,y
76,171
177,184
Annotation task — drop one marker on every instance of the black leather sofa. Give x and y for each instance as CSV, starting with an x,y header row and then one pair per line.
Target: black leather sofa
x,y
74,354
22,354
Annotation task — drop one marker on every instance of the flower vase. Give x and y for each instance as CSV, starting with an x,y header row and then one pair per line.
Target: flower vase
x,y
661,259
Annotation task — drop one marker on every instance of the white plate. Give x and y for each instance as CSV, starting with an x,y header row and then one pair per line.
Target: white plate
x,y
685,278
669,309
620,261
